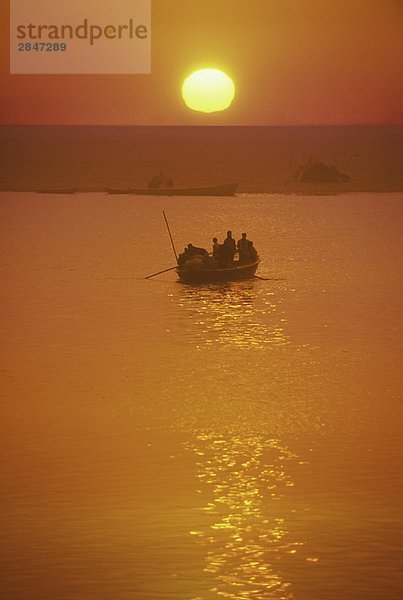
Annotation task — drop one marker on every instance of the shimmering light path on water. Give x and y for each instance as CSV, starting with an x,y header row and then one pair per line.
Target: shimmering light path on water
x,y
161,440
245,535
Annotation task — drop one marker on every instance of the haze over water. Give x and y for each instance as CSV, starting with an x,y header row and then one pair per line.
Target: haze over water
x,y
166,441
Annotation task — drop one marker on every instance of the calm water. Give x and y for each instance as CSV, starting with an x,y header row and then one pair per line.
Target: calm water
x,y
165,441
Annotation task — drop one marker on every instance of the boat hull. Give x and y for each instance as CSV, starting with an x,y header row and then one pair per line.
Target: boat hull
x,y
57,191
218,190
236,273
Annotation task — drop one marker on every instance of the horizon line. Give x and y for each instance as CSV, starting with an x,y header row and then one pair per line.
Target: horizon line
x,y
156,125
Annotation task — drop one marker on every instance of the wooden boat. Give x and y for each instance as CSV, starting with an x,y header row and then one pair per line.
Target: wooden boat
x,y
57,191
236,272
227,189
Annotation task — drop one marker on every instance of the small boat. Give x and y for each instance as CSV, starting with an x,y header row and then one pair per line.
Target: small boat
x,y
57,191
236,272
200,267
227,189
314,171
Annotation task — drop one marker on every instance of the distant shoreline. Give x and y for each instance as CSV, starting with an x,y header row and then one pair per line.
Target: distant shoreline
x,y
319,190
261,159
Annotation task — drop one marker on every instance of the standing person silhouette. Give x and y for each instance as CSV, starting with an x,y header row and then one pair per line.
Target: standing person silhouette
x,y
216,249
243,247
228,249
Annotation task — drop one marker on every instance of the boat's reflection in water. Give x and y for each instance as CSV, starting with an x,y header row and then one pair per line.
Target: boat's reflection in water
x,y
244,314
244,528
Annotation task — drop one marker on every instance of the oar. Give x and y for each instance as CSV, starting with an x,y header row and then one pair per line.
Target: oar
x,y
159,272
267,278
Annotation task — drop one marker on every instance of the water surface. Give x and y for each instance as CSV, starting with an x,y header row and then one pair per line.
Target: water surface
x,y
161,440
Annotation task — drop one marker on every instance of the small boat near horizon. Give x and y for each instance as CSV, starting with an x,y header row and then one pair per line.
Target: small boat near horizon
x,y
57,191
315,171
227,189
236,272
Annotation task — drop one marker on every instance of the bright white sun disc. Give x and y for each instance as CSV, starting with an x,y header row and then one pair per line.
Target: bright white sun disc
x,y
208,90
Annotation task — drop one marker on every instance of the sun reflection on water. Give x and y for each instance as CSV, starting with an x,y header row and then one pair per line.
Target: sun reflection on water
x,y
237,314
244,526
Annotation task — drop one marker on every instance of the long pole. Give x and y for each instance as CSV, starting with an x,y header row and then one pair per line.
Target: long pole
x,y
170,235
159,272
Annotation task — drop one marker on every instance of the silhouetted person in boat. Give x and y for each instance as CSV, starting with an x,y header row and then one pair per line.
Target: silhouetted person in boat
x,y
252,254
195,251
228,249
157,181
154,182
216,249
183,257
170,182
243,249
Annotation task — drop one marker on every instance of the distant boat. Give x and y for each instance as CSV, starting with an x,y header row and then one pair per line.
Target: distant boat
x,y
314,171
227,189
57,191
236,272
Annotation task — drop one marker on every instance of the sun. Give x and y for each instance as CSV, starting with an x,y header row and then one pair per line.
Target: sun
x,y
208,90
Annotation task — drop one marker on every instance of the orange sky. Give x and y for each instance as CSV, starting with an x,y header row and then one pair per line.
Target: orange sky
x,y
293,62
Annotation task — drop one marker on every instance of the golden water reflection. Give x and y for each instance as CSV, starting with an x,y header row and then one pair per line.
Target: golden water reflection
x,y
244,480
241,314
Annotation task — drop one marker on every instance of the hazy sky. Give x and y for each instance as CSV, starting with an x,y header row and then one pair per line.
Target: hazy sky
x,y
293,62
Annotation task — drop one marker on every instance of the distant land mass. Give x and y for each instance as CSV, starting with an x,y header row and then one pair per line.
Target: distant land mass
x,y
261,159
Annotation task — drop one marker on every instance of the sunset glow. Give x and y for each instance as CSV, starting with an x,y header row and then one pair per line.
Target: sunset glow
x,y
208,90
313,62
